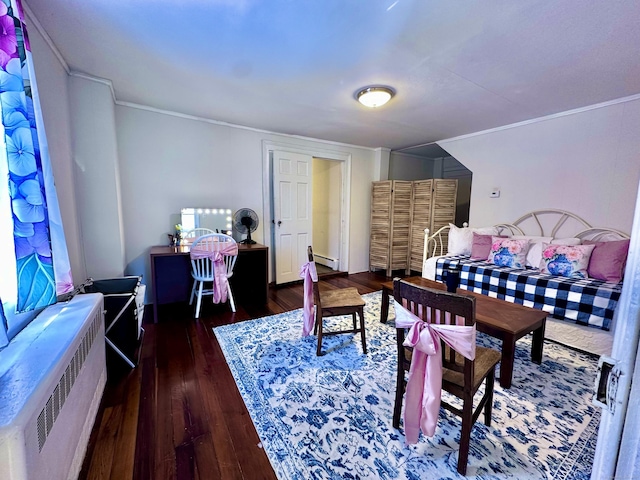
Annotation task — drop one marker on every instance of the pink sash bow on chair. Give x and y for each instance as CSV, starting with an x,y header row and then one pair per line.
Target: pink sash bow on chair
x,y
218,251
424,386
310,275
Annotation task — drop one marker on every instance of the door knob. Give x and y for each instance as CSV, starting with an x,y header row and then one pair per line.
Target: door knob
x,y
279,222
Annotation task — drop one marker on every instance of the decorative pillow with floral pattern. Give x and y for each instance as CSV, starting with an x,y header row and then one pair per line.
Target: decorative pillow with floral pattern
x,y
507,252
566,260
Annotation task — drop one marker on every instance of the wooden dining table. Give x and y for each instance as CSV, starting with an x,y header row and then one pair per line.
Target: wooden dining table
x,y
498,318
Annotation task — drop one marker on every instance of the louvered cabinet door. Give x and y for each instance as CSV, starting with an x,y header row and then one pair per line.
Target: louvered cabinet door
x,y
379,240
400,225
421,207
445,192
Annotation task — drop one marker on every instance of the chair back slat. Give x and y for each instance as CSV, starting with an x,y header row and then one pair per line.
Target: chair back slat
x,y
190,236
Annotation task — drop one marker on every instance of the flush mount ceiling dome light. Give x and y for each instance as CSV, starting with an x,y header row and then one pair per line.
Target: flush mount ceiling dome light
x,y
373,97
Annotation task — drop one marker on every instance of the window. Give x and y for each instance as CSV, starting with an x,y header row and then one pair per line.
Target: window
x,y
34,264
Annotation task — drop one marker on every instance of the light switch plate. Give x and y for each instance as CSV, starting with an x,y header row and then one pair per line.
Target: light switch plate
x,y
494,193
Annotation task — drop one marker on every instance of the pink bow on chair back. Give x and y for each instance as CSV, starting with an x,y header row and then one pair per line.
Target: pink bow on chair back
x,y
216,251
424,387
309,274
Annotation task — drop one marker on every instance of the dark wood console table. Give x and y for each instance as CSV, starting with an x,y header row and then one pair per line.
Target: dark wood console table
x,y
171,275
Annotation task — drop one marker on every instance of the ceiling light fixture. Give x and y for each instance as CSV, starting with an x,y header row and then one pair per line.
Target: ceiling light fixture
x,y
373,97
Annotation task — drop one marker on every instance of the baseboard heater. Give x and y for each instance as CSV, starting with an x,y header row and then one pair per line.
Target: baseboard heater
x,y
52,376
332,263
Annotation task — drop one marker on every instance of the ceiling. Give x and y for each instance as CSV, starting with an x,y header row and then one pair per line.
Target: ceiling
x,y
293,67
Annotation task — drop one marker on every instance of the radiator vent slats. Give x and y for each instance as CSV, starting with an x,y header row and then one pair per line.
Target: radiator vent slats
x,y
56,402
49,413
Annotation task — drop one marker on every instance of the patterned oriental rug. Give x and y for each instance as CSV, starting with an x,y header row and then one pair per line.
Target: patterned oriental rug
x,y
329,417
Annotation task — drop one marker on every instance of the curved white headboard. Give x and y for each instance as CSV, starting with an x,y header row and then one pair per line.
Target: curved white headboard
x,y
601,234
549,223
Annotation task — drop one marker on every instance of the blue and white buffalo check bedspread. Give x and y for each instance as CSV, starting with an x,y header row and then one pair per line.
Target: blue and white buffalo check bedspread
x,y
584,301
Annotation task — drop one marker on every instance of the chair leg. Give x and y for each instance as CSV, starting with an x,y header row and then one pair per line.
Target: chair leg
x,y
199,301
315,324
355,323
232,303
397,406
465,435
193,292
319,328
489,392
362,332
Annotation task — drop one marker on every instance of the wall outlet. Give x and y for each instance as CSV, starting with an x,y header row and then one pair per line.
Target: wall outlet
x,y
494,193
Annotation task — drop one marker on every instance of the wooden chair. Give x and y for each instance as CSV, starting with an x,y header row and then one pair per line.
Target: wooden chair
x,y
332,303
461,377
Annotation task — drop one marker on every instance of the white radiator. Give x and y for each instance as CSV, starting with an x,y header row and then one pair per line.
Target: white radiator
x,y
52,376
332,263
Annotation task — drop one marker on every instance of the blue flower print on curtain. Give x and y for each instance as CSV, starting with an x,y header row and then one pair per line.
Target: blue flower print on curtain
x,y
38,237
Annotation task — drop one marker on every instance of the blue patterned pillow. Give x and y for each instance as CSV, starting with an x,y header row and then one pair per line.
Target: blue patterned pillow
x,y
566,260
507,252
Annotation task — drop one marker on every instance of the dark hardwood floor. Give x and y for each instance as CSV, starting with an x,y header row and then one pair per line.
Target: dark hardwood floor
x,y
179,414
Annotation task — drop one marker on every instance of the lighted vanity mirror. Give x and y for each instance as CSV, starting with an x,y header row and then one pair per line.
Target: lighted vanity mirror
x,y
216,219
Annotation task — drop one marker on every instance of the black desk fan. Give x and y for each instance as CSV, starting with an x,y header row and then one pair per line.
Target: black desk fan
x,y
245,220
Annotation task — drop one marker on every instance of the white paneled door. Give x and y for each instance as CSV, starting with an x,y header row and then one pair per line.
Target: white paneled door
x,y
292,212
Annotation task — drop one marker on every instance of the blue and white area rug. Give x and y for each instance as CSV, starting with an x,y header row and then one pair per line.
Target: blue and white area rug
x,y
329,417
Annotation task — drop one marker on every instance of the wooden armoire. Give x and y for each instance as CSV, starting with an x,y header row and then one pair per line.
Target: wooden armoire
x,y
400,211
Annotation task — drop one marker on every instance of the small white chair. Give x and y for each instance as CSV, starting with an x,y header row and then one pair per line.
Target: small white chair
x,y
203,267
190,235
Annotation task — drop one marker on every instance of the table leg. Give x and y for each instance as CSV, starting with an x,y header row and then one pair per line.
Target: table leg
x,y
537,344
506,362
384,308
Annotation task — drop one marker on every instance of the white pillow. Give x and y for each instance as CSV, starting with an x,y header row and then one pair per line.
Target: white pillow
x,y
485,231
461,239
566,241
534,255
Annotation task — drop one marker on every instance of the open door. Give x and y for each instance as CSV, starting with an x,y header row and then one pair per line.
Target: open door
x,y
292,217
618,384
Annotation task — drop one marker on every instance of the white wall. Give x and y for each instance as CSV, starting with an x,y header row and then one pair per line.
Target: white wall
x,y
97,177
326,202
587,163
382,159
363,166
403,166
168,162
54,98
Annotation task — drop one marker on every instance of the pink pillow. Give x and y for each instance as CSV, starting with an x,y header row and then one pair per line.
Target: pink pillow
x,y
566,260
481,246
608,260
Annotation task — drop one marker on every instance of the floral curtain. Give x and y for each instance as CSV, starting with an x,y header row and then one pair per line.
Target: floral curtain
x,y
35,251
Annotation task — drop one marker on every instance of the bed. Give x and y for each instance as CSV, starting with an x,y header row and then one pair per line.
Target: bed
x,y
581,310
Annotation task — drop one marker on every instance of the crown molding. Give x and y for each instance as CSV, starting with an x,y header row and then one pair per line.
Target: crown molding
x,y
196,118
566,113
93,78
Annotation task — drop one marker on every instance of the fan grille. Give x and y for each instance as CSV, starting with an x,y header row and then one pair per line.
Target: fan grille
x,y
240,222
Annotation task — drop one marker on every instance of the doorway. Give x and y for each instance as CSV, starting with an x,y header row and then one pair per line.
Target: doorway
x,y
327,200
326,204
